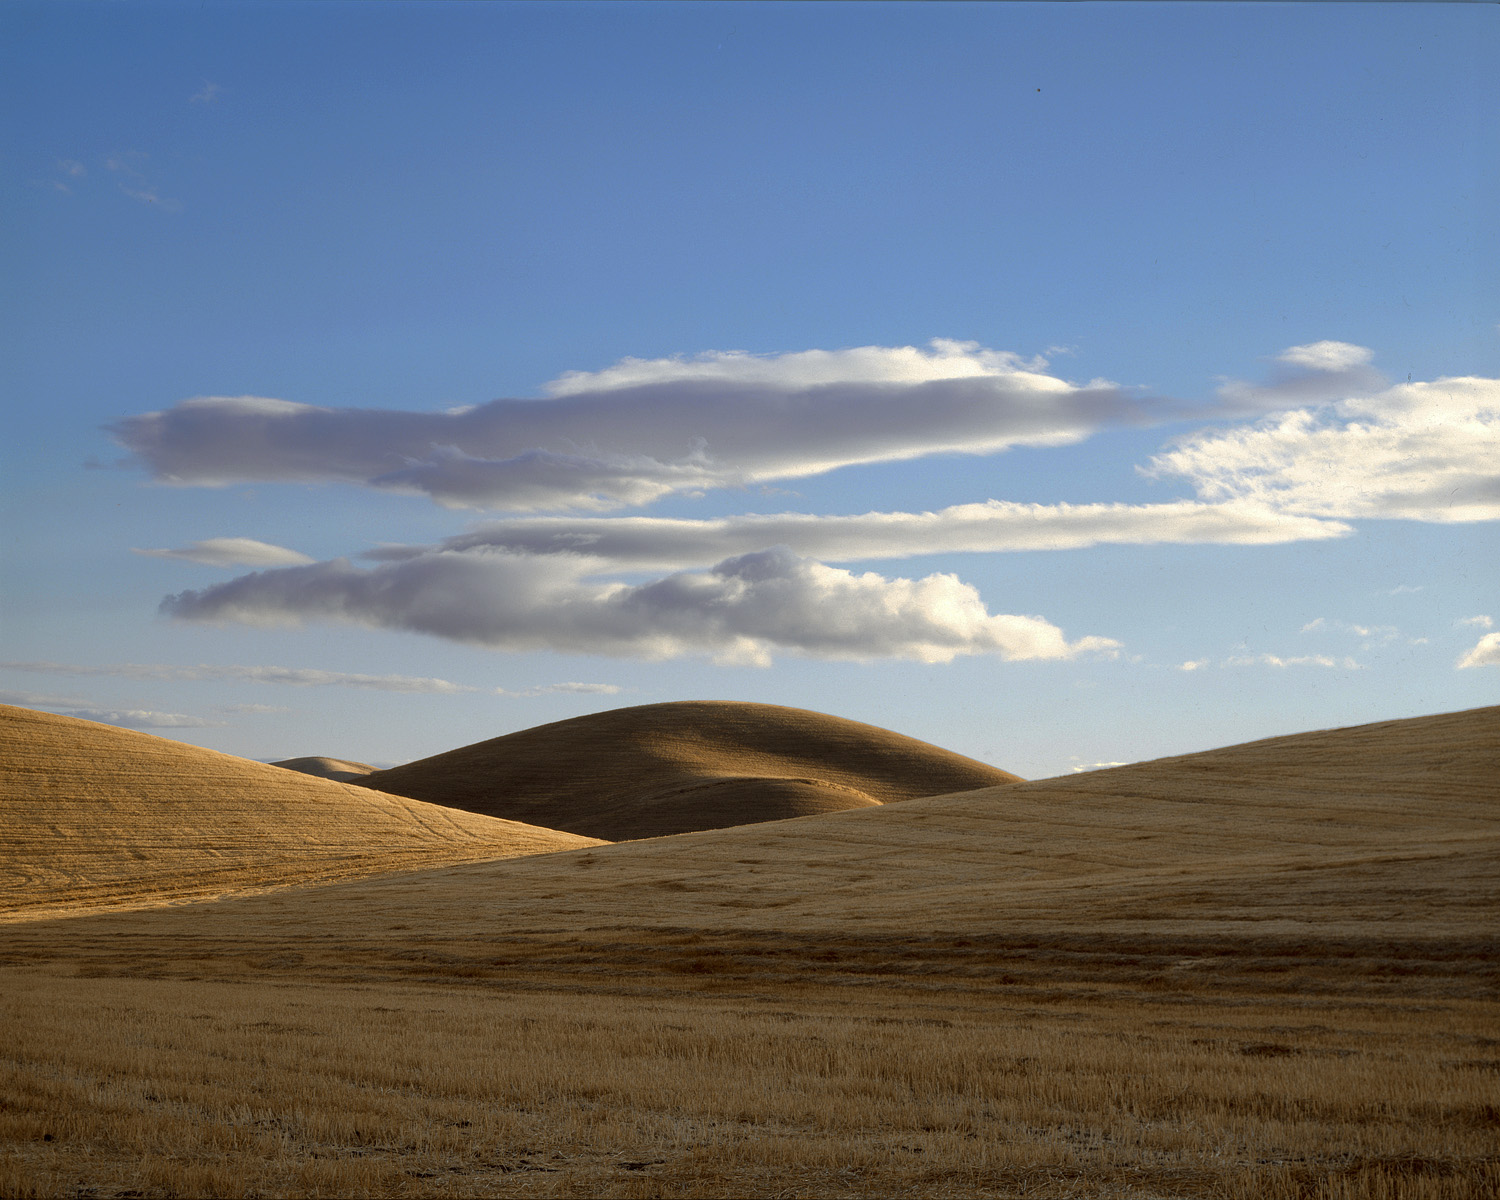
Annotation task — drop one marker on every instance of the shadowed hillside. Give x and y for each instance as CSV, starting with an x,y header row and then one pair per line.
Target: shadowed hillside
x,y
92,816
327,768
670,768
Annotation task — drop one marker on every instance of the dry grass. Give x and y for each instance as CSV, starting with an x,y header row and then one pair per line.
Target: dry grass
x,y
660,769
340,769
1266,971
94,817
696,1073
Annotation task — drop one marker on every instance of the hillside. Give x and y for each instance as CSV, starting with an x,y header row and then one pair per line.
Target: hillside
x,y
338,769
662,769
92,816
1385,829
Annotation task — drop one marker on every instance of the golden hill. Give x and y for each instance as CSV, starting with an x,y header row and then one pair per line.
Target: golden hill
x,y
339,769
662,769
92,816
1387,829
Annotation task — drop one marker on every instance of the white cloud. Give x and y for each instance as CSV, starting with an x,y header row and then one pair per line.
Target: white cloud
x,y
287,676
1098,766
207,94
1418,451
1376,634
1194,664
1482,621
642,429
232,552
250,710
655,543
565,689
1485,653
740,611
1300,660
1326,356
126,718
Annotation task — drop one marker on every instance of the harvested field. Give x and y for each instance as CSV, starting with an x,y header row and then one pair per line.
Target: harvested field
x,y
1270,970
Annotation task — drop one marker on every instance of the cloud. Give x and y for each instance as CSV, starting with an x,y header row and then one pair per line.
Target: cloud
x,y
1417,451
565,689
1483,621
1312,374
131,165
141,718
1301,660
1326,356
653,543
1098,766
1485,653
642,429
287,676
232,552
739,611
1195,664
250,710
126,718
1375,633
207,94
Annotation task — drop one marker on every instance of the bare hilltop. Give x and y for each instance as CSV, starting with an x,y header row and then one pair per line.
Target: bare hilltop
x,y
659,769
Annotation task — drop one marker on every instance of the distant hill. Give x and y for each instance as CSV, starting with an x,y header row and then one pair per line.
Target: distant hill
x,y
92,817
327,768
660,769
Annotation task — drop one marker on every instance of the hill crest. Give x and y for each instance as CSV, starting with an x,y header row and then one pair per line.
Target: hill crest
x,y
658,769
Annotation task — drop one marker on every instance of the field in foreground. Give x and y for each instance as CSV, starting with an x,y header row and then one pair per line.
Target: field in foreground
x,y
1270,970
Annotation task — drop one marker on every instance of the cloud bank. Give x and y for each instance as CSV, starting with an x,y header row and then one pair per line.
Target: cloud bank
x,y
740,611
641,429
125,718
1417,451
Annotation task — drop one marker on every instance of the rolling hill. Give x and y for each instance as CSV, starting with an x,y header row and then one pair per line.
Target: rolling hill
x,y
1384,830
661,769
338,769
94,817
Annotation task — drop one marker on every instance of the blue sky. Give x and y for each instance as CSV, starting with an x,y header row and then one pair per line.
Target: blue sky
x,y
1204,297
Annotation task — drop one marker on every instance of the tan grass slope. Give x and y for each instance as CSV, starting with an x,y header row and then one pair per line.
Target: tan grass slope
x,y
339,769
1391,828
671,768
97,817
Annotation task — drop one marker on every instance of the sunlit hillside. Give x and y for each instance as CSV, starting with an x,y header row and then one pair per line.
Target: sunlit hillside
x,y
92,816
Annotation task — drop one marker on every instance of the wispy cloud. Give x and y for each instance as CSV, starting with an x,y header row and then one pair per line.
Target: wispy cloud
x,y
207,94
130,166
1482,621
739,611
232,552
1375,634
643,429
654,543
1098,766
286,676
1300,660
125,718
1485,653
565,689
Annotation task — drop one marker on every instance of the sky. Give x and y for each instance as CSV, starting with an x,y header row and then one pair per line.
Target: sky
x,y
1063,384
